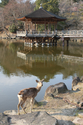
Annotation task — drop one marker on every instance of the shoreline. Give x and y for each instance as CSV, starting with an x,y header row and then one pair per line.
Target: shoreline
x,y
64,107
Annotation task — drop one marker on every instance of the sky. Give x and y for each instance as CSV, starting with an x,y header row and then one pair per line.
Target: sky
x,y
32,0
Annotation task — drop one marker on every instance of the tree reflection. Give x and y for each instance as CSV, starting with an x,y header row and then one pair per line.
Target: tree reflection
x,y
40,62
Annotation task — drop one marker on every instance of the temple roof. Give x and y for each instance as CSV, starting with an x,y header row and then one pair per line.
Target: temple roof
x,y
41,14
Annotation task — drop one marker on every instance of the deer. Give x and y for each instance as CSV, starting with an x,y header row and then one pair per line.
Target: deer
x,y
30,93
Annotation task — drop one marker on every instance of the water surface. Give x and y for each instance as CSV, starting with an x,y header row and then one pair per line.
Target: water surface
x,y
19,72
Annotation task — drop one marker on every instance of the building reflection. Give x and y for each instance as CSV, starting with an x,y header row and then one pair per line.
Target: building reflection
x,y
39,62
15,59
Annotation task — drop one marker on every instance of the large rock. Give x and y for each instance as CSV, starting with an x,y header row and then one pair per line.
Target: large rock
x,y
35,118
79,86
78,121
81,79
55,89
75,81
4,120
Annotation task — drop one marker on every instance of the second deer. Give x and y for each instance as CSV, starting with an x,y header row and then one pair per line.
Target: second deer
x,y
29,93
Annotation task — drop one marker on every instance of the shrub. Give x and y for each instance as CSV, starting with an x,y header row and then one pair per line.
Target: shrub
x,y
13,28
20,25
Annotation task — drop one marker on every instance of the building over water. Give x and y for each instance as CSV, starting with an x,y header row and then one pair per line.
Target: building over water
x,y
36,18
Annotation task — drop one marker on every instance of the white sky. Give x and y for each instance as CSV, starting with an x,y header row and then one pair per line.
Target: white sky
x,y
32,0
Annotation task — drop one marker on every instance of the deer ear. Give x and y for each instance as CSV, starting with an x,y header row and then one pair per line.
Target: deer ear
x,y
37,81
42,80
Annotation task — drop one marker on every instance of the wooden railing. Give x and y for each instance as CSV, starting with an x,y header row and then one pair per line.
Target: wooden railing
x,y
21,33
65,33
70,33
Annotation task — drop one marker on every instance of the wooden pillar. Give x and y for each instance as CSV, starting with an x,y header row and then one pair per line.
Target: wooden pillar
x,y
67,42
32,28
56,42
48,28
45,27
53,42
35,25
25,24
55,28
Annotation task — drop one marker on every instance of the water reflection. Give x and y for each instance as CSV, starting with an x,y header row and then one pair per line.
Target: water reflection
x,y
43,62
39,62
20,66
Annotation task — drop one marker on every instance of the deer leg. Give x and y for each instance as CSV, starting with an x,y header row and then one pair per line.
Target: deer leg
x,y
23,108
19,106
31,103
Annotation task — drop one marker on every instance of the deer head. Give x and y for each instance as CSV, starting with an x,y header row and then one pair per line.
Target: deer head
x,y
40,83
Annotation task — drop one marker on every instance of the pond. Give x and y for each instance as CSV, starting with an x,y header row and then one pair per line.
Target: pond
x,y
19,71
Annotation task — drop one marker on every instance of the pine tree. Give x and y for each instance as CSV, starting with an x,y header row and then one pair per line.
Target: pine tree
x,y
4,2
49,5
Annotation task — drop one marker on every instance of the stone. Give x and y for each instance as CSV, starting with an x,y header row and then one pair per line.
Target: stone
x,y
81,104
78,87
80,115
53,90
78,121
4,120
10,112
64,122
35,118
75,81
81,79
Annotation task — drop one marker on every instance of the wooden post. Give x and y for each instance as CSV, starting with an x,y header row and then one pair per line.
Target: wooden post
x,y
32,28
25,24
54,28
35,26
45,27
56,42
48,28
67,43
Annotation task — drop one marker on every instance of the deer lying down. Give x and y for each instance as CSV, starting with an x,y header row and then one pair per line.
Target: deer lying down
x,y
29,93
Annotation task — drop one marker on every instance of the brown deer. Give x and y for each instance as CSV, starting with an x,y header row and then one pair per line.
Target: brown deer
x,y
31,93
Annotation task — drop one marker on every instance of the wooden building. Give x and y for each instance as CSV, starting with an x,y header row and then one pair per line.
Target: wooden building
x,y
36,18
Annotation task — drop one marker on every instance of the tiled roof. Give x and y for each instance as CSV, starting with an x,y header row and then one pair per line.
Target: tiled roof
x,y
41,14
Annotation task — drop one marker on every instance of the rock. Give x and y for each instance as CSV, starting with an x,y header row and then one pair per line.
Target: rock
x,y
81,104
75,81
77,84
35,118
78,87
62,122
80,115
4,120
78,121
81,79
55,89
10,112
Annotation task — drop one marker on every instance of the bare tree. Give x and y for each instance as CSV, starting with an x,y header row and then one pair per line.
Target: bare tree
x,y
15,9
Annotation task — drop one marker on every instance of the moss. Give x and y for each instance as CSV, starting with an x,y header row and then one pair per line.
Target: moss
x,y
40,103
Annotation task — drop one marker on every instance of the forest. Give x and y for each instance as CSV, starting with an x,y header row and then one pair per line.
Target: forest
x,y
12,9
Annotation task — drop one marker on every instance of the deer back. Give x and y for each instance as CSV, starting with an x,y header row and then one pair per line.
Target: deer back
x,y
28,93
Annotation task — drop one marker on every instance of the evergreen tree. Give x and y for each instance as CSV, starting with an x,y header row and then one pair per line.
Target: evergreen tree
x,y
4,2
49,5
